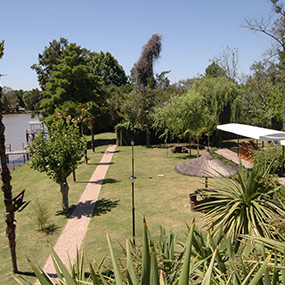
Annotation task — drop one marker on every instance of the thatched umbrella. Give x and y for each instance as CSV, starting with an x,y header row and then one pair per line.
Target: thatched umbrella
x,y
206,166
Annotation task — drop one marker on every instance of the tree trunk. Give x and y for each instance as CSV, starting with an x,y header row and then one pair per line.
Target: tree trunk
x,y
284,114
7,190
64,188
92,139
147,136
86,157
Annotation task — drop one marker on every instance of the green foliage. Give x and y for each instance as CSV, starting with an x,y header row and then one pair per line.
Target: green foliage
x,y
108,69
42,214
32,99
181,113
70,80
218,94
12,100
214,70
219,267
58,153
136,110
265,156
48,59
243,206
207,103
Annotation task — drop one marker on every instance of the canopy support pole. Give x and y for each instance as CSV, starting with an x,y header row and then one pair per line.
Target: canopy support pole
x,y
282,168
238,145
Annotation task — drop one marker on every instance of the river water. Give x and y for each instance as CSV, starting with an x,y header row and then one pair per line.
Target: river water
x,y
15,130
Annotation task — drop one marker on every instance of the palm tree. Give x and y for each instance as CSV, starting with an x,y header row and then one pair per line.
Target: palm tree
x,y
242,207
7,187
7,190
88,114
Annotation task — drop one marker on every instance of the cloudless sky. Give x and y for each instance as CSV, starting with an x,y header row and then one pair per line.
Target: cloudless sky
x,y
193,31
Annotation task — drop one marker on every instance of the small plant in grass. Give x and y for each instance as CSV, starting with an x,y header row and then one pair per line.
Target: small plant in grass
x,y
42,215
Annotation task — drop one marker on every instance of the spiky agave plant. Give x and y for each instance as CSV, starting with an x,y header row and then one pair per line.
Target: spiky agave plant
x,y
243,206
193,270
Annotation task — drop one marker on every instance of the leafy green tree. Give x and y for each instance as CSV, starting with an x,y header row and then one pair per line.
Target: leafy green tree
x,y
9,99
32,99
48,59
58,154
214,70
136,110
107,68
183,114
162,81
71,80
6,186
207,103
219,94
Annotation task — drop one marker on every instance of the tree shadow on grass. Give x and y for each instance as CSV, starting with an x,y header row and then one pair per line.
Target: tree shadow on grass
x,y
101,163
101,181
23,206
104,206
89,208
66,213
26,273
50,229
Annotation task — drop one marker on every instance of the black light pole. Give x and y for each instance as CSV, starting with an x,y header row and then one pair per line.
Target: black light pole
x,y
132,178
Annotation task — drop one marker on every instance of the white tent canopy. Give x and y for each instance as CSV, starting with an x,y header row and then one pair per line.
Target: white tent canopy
x,y
253,132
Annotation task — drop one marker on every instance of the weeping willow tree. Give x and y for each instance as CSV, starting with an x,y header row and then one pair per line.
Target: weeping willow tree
x,y
144,66
7,187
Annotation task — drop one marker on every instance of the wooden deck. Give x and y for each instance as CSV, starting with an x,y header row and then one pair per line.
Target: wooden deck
x,y
233,157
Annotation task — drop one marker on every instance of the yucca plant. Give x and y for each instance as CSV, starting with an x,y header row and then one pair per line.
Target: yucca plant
x,y
243,206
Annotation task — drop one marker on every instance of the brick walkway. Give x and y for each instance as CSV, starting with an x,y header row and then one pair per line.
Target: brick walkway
x,y
77,225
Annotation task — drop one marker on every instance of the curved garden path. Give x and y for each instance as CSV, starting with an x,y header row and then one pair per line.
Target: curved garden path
x,y
75,230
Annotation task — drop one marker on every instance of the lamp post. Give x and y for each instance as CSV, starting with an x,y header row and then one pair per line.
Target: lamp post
x,y
132,178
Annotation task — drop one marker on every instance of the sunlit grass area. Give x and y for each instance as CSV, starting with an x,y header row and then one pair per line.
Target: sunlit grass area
x,y
161,195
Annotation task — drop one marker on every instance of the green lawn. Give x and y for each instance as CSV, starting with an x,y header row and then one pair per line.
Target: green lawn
x,y
161,195
163,200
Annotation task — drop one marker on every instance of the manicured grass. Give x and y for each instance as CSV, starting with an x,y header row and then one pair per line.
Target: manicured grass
x,y
161,195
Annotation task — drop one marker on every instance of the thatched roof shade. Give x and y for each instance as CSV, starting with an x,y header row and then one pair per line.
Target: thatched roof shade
x,y
205,166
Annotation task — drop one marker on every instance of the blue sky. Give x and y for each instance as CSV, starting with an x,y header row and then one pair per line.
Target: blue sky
x,y
193,31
